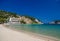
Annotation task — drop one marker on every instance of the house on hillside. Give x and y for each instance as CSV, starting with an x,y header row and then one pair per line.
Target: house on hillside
x,y
13,20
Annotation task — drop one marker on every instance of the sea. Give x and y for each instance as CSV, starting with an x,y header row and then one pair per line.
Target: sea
x,y
52,30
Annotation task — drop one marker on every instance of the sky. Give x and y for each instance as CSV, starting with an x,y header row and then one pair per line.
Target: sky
x,y
44,10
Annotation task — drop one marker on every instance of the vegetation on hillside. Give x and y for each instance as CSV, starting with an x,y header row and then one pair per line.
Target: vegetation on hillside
x,y
4,15
32,18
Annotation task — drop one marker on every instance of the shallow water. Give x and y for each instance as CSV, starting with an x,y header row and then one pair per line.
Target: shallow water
x,y
44,29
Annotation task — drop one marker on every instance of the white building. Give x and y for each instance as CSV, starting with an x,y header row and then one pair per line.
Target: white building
x,y
14,20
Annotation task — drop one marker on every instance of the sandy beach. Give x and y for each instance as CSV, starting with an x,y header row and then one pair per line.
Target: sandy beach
x,y
11,35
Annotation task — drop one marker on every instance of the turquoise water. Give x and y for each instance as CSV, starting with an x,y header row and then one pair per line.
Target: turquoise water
x,y
44,29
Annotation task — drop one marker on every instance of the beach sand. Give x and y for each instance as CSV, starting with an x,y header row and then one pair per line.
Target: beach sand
x,y
11,35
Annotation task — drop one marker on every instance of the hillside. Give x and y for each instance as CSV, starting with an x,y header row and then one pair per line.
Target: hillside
x,y
55,22
4,15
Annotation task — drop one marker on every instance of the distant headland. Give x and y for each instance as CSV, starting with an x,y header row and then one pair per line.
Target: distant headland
x,y
55,22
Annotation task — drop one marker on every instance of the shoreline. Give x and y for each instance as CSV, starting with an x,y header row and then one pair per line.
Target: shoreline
x,y
39,36
11,35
